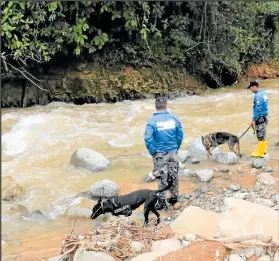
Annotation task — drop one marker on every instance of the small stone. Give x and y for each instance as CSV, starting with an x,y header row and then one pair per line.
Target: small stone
x,y
268,169
181,165
235,257
195,161
264,258
186,243
149,177
266,179
223,170
258,163
187,173
259,251
191,237
204,175
234,187
240,195
137,247
264,202
104,188
267,157
183,155
249,252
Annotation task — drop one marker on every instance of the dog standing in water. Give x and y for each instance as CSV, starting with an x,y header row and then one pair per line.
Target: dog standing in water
x,y
124,205
213,140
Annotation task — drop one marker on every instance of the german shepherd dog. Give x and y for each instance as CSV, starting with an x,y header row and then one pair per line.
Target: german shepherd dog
x,y
124,205
213,140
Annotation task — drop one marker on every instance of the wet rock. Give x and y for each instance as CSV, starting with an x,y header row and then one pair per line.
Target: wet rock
x,y
104,188
258,163
183,155
225,157
266,179
264,202
35,216
18,211
187,173
234,187
268,169
235,257
89,160
167,245
149,177
80,208
10,188
12,94
264,258
204,175
191,237
137,247
92,255
197,150
195,161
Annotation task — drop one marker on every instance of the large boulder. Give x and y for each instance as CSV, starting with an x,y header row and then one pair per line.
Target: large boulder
x,y
10,188
196,221
92,255
204,175
198,150
80,208
266,179
166,246
105,189
245,218
224,157
89,160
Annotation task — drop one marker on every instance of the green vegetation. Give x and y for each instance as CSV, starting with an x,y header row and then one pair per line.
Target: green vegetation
x,y
214,40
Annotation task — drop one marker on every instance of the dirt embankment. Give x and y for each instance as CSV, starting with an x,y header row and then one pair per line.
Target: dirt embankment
x,y
266,70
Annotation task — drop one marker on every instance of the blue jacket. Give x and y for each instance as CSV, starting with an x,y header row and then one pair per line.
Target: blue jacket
x,y
163,133
260,107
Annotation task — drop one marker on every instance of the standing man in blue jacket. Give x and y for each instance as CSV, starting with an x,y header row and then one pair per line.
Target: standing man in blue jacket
x,y
163,137
260,117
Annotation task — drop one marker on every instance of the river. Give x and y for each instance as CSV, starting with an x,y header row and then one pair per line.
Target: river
x,y
37,144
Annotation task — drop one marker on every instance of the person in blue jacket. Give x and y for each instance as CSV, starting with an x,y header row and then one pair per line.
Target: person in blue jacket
x,y
260,117
163,137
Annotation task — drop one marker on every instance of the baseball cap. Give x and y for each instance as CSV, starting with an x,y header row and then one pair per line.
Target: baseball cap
x,y
253,83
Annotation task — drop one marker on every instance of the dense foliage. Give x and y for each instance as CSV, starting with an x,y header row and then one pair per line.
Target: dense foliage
x,y
212,39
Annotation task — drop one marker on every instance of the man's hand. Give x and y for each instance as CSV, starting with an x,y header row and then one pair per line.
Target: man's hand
x,y
252,123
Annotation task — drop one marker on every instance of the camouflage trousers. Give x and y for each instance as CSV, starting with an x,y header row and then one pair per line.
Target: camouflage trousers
x,y
166,164
260,128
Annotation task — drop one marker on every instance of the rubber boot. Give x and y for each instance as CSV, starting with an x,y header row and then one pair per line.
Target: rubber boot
x,y
261,150
161,204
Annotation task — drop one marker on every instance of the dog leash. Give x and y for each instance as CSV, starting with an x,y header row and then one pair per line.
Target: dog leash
x,y
246,131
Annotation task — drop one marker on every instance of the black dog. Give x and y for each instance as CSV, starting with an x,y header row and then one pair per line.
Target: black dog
x,y
213,140
124,205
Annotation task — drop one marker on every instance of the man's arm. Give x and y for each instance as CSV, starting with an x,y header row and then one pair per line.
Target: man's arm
x,y
148,139
179,133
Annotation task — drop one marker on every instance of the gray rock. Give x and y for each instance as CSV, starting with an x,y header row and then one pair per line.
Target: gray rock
x,y
92,255
10,189
264,202
195,161
35,216
104,188
89,160
259,251
183,155
234,187
149,177
258,163
240,195
186,243
187,173
204,175
267,157
198,150
266,179
264,258
57,258
268,169
225,157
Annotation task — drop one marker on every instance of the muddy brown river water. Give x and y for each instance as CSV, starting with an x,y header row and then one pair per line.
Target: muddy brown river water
x,y
37,144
